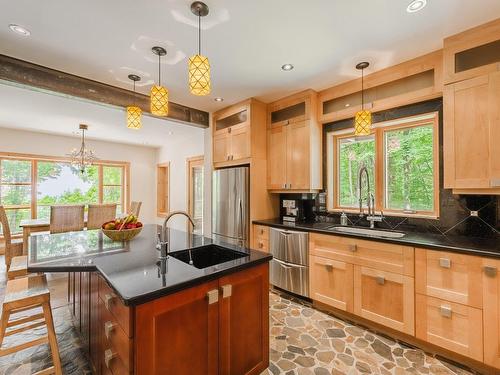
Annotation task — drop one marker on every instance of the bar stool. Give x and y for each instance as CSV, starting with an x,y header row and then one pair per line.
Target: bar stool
x,y
25,294
18,267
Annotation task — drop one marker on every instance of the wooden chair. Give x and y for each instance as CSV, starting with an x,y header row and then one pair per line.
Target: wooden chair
x,y
27,294
18,267
99,214
13,247
66,218
135,208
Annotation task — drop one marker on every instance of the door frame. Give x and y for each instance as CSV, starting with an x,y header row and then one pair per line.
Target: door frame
x,y
191,162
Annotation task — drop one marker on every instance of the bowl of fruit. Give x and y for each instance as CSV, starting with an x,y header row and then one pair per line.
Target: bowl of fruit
x,y
122,229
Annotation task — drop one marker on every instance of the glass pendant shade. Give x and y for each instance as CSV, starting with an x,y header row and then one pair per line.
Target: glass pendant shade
x,y
159,100
134,117
363,123
199,75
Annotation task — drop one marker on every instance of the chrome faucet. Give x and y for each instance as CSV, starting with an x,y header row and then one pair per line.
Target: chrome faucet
x,y
370,199
163,242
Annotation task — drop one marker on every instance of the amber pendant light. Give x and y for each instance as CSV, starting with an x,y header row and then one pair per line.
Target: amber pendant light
x,y
159,94
363,118
134,113
198,65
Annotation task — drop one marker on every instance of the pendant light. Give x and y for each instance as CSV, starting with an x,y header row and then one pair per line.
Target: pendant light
x,y
363,118
198,66
134,113
159,94
84,157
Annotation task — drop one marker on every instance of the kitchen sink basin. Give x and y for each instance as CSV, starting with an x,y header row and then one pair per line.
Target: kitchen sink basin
x,y
207,256
368,232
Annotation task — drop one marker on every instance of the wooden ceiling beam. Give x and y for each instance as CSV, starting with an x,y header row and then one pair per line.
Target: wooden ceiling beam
x,y
41,78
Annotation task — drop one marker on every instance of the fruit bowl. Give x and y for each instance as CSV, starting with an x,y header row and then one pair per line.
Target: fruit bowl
x,y
121,235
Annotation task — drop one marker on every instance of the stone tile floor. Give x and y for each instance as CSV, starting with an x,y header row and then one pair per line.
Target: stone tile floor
x,y
305,341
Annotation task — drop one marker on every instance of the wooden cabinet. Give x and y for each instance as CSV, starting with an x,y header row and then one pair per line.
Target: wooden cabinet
x,y
471,128
452,326
237,133
332,282
450,276
294,144
244,322
261,237
491,311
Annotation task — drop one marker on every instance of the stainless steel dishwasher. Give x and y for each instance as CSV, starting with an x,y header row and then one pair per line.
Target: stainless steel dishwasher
x,y
290,265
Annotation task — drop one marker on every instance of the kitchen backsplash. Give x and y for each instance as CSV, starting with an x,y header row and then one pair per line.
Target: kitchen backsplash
x,y
470,215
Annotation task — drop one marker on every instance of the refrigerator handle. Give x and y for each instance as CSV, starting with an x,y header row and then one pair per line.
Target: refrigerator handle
x,y
240,229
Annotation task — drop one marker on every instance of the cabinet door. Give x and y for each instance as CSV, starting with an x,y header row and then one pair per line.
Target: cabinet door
x,y
491,311
449,276
494,113
467,134
240,142
276,158
298,168
221,146
244,322
183,327
385,298
332,282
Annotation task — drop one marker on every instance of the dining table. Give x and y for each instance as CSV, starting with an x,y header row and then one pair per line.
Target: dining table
x,y
33,226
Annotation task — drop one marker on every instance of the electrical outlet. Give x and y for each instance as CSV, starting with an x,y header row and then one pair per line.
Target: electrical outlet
x,y
474,213
288,203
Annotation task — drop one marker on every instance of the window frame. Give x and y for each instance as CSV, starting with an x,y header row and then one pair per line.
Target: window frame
x,y
34,159
378,131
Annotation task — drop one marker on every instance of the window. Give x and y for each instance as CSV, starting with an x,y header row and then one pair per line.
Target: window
x,y
30,185
401,157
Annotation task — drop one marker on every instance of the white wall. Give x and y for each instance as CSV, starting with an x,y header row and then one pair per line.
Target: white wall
x,y
188,144
142,160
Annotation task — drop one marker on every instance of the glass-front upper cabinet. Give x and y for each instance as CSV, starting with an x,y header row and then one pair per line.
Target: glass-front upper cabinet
x,y
233,117
295,109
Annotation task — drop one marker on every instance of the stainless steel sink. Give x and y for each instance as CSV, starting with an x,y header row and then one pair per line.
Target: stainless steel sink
x,y
367,231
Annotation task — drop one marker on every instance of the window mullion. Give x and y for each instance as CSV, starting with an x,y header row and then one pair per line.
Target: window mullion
x,y
101,182
34,179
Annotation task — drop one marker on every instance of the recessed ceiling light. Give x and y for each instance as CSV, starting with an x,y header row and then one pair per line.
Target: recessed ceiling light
x,y
19,29
219,99
286,67
416,5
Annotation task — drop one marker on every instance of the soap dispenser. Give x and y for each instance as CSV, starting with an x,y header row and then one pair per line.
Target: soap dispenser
x,y
343,219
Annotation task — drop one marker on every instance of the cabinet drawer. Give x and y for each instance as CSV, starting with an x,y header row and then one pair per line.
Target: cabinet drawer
x,y
449,276
331,282
385,298
382,256
113,304
453,326
261,232
113,336
112,364
262,244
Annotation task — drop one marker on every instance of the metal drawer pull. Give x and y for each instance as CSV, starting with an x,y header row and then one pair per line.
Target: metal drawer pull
x,y
445,311
380,280
353,248
261,231
490,271
108,328
213,296
107,300
108,356
261,245
328,266
227,290
445,262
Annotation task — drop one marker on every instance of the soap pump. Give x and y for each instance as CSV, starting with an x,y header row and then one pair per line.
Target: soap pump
x,y
343,219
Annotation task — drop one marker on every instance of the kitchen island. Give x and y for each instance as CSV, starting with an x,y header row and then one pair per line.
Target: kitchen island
x,y
203,310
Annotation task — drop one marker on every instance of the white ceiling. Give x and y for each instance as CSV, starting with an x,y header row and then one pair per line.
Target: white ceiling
x,y
246,41
25,109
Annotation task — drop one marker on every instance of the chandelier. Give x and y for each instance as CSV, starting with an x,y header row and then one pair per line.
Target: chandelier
x,y
83,157
198,65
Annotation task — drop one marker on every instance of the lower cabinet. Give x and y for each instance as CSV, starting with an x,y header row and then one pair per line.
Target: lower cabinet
x,y
491,311
385,298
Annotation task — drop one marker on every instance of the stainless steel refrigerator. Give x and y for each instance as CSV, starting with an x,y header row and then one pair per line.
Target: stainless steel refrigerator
x,y
230,205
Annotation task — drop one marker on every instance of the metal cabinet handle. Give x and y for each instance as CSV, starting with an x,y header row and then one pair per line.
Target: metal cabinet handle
x,y
232,157
261,231
445,311
445,262
490,271
108,298
108,357
353,248
380,280
289,186
227,290
229,130
328,266
213,296
261,245
108,328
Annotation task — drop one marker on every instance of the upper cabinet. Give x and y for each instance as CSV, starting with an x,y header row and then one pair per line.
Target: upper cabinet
x,y
472,111
406,83
238,133
294,144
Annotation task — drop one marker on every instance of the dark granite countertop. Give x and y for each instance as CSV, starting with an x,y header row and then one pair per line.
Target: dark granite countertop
x,y
132,268
489,247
